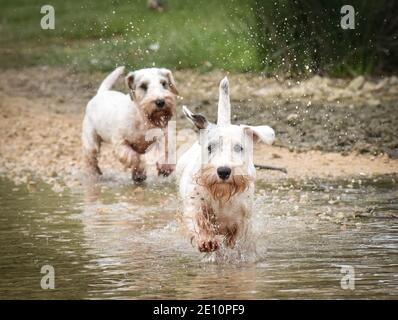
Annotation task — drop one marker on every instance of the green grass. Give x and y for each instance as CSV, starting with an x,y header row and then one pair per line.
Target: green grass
x,y
271,36
100,34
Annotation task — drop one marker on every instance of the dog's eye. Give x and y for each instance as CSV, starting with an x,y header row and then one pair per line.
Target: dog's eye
x,y
238,148
164,84
144,86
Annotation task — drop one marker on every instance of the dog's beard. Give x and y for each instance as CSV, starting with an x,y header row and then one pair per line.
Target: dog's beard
x,y
223,190
159,117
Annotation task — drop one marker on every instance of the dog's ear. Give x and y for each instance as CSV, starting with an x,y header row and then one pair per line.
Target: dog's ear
x,y
130,84
130,80
169,75
196,119
261,133
224,104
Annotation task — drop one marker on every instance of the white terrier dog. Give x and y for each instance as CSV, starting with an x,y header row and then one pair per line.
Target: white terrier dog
x,y
217,177
125,119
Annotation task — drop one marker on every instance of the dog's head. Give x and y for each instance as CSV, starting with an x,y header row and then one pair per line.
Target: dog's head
x,y
227,150
153,90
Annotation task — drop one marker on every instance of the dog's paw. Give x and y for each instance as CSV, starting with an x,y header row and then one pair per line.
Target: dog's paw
x,y
139,177
208,245
165,169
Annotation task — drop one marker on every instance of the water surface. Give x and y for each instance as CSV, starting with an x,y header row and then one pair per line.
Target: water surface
x,y
116,240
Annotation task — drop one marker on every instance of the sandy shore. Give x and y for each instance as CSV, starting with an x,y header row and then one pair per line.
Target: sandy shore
x,y
40,136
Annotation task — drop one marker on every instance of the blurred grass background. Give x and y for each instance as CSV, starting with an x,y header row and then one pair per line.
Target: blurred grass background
x,y
279,36
298,37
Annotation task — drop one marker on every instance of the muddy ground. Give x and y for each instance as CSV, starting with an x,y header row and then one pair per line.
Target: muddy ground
x,y
325,127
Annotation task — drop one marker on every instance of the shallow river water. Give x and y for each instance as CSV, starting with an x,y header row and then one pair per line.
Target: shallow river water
x,y
314,239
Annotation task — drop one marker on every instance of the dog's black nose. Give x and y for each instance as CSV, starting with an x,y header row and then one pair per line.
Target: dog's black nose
x,y
160,103
224,172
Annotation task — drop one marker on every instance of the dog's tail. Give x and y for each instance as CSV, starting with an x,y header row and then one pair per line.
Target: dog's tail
x,y
111,79
224,104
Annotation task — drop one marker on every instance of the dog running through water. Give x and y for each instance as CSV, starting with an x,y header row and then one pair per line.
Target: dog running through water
x,y
216,177
125,120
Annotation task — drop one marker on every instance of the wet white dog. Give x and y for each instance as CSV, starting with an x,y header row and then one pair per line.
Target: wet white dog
x,y
216,177
126,119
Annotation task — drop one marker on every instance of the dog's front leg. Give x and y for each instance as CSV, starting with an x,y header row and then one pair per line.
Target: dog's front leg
x,y
231,236
200,220
237,227
131,159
